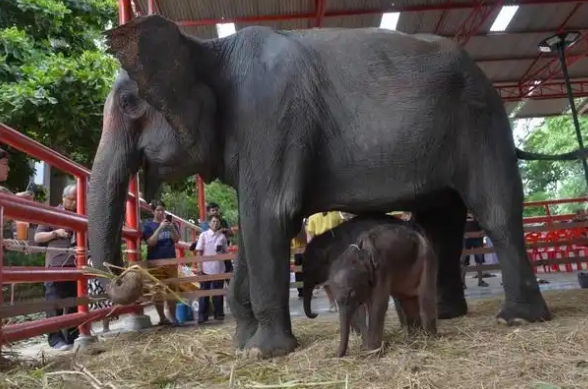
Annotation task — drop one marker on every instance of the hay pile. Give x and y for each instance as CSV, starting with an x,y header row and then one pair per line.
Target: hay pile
x,y
472,352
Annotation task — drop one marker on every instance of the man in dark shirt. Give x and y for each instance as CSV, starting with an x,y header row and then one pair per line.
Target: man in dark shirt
x,y
161,236
472,225
59,238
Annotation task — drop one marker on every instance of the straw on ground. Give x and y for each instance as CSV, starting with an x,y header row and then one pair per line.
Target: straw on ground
x,y
471,353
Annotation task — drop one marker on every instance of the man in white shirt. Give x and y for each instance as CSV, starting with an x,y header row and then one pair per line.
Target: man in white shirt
x,y
212,242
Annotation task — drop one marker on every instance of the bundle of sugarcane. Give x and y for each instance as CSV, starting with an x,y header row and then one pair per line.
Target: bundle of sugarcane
x,y
134,284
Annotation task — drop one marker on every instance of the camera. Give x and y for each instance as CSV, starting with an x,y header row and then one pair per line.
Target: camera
x,y
168,217
219,249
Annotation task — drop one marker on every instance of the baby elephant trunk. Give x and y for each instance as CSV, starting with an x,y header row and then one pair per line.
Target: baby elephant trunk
x,y
307,289
345,314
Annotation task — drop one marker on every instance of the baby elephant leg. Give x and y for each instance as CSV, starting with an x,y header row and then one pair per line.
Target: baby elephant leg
x,y
377,317
411,308
358,323
428,303
399,311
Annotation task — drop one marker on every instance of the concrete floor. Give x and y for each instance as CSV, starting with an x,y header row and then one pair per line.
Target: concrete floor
x,y
35,347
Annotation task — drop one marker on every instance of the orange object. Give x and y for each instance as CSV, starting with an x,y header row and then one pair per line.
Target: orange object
x,y
22,230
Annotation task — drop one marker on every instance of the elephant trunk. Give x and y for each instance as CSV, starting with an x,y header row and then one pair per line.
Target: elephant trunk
x,y
345,314
116,159
307,289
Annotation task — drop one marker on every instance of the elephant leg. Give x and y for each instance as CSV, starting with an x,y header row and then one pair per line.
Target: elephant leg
x,y
444,227
268,266
377,317
400,312
358,322
239,299
411,308
497,203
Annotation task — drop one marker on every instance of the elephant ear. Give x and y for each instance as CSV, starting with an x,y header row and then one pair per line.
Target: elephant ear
x,y
145,45
160,59
168,68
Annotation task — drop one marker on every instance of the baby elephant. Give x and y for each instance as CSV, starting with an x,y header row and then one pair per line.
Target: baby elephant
x,y
388,260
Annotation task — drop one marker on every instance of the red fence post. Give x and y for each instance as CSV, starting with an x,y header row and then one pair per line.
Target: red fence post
x,y
1,270
132,221
81,251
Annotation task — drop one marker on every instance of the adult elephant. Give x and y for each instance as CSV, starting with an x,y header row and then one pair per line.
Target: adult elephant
x,y
356,120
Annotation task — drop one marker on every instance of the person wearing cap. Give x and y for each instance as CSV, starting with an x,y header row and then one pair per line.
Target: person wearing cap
x,y
4,170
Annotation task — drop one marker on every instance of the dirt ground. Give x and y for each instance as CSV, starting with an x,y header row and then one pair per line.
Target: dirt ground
x,y
472,352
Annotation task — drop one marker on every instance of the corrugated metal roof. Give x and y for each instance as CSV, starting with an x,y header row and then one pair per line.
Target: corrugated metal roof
x,y
541,108
505,57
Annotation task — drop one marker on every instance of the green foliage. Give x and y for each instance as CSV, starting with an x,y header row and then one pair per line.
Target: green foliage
x,y
13,258
181,199
54,77
545,180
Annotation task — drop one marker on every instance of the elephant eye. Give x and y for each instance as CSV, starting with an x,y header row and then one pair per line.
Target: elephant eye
x,y
131,105
126,102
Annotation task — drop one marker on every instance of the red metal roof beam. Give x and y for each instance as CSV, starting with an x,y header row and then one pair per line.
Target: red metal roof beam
x,y
354,12
477,17
543,91
441,18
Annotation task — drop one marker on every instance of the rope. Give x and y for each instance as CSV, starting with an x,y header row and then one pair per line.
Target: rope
x,y
27,248
24,247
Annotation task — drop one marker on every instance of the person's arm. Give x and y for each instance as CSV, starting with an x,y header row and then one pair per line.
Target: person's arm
x,y
175,233
225,228
310,232
151,236
45,234
199,251
25,195
200,245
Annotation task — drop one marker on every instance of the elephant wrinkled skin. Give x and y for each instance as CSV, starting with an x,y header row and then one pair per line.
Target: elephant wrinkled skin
x,y
355,120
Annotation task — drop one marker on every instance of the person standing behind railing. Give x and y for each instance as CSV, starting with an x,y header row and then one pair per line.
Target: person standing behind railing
x,y
4,170
213,209
54,290
161,236
211,242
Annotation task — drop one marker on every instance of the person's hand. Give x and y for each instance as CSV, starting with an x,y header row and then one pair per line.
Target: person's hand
x,y
26,195
164,224
61,233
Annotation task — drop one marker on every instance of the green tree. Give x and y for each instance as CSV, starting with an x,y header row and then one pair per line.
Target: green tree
x,y
54,76
553,179
181,199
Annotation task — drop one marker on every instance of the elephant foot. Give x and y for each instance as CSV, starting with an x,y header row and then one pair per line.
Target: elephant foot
x,y
270,343
450,309
244,332
517,313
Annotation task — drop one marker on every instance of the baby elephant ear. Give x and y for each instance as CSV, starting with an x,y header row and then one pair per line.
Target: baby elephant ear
x,y
139,43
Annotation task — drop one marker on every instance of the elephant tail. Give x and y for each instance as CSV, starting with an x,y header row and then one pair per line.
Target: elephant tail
x,y
573,155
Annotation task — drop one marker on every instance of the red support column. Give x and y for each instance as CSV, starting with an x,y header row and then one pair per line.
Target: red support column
x,y
321,7
201,197
125,11
81,250
132,221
